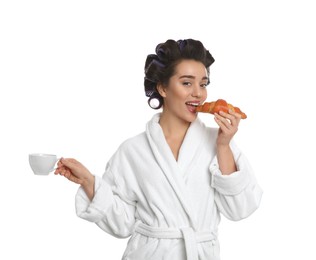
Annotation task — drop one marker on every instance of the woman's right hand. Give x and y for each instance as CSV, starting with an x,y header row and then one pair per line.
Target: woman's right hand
x,y
77,173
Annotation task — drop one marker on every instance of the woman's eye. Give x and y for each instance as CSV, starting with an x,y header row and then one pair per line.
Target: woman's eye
x,y
186,83
204,85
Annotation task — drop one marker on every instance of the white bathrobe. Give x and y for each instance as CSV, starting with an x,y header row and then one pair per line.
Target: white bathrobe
x,y
171,209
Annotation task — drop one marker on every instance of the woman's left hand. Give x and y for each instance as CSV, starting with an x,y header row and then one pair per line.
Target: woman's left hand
x,y
228,126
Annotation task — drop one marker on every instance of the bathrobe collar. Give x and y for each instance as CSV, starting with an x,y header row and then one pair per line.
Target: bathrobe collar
x,y
176,171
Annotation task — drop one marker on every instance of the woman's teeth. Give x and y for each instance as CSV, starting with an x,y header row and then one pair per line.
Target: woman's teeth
x,y
192,104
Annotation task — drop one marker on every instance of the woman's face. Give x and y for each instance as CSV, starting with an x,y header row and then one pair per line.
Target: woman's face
x,y
186,89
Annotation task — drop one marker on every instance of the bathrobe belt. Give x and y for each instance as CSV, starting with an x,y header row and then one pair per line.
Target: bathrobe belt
x,y
190,237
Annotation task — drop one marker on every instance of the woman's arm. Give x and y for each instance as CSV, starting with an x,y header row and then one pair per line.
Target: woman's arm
x,y
99,200
228,127
237,193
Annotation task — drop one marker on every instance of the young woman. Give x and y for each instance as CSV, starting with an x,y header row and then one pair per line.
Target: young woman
x,y
167,187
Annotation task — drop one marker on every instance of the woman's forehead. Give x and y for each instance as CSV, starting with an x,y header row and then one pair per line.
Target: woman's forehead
x,y
191,68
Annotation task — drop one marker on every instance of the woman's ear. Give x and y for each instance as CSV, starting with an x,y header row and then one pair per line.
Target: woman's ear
x,y
161,90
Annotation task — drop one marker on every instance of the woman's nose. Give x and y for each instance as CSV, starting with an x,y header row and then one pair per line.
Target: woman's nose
x,y
196,92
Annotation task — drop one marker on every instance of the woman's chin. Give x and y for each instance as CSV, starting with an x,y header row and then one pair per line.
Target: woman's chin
x,y
191,117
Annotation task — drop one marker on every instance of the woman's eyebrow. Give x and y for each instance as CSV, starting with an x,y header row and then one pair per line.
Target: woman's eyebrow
x,y
187,76
192,77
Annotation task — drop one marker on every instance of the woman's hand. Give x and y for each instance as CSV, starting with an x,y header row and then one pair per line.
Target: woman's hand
x,y
228,126
77,173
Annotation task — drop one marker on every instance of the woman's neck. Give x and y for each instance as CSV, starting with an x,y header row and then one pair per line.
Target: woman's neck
x,y
174,130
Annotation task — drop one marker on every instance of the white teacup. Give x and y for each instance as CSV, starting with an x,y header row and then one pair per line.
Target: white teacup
x,y
42,164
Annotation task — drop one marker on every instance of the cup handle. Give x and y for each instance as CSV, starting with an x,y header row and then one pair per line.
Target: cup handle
x,y
54,168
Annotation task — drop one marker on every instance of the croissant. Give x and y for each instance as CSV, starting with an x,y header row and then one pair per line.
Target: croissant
x,y
219,105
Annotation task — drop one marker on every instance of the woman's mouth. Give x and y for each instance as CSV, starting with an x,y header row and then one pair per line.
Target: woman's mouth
x,y
191,105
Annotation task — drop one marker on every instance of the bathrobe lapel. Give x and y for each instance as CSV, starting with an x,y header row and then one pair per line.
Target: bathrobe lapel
x,y
191,147
174,171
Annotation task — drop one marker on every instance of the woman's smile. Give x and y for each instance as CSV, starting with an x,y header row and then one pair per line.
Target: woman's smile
x,y
191,106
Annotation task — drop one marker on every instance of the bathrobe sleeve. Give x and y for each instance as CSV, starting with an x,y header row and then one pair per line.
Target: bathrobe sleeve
x,y
237,195
110,208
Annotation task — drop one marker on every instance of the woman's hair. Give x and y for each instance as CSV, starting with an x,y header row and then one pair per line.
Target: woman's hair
x,y
160,67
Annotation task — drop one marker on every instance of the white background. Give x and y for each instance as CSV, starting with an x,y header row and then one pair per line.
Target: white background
x,y
71,79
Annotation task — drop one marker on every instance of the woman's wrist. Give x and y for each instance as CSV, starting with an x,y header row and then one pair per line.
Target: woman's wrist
x,y
88,186
225,159
223,148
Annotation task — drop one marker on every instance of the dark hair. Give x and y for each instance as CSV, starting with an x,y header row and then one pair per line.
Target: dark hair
x,y
160,67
